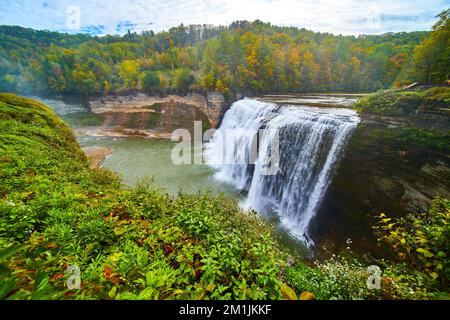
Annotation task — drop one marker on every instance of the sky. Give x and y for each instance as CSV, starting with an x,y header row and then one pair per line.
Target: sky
x,y
348,17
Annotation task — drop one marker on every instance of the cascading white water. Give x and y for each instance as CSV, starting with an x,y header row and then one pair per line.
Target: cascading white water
x,y
310,142
239,128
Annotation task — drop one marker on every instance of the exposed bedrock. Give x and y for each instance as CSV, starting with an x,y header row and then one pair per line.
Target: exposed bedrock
x,y
393,165
163,114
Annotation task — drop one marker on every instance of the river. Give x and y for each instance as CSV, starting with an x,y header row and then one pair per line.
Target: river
x,y
136,158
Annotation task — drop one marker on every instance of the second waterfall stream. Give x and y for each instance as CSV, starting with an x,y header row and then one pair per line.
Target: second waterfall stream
x,y
308,142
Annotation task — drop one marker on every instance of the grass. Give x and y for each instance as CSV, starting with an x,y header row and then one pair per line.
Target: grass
x,y
398,103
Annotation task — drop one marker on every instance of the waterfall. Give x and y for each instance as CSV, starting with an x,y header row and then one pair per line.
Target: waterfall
x,y
311,141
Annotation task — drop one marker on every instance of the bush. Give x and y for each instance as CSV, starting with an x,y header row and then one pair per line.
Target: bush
x,y
345,278
337,278
150,82
422,240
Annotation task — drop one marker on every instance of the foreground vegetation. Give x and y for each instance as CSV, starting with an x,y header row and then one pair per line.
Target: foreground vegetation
x,y
139,243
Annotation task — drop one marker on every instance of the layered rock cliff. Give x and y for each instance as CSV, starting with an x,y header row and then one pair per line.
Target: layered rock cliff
x,y
170,110
396,162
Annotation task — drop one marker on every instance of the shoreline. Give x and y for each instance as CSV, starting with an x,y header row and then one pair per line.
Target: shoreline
x,y
121,133
96,155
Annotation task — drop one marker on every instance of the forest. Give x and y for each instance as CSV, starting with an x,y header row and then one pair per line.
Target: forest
x,y
244,57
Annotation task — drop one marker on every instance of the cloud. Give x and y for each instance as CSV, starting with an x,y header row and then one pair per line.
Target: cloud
x,y
334,16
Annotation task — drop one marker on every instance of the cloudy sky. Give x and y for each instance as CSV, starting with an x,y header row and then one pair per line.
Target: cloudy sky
x,y
118,16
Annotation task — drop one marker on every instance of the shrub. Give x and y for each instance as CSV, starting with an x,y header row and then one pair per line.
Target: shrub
x,y
337,278
422,239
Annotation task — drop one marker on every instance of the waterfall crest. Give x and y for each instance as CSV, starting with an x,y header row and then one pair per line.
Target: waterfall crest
x,y
311,141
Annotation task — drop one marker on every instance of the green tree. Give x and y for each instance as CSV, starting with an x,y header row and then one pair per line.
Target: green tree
x,y
85,81
129,72
246,57
150,82
182,81
431,60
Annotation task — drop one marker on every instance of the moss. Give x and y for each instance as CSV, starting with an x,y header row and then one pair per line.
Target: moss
x,y
21,117
438,94
410,137
393,103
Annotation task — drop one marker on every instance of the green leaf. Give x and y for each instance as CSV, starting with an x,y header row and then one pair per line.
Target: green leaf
x,y
425,252
4,271
112,293
8,252
6,287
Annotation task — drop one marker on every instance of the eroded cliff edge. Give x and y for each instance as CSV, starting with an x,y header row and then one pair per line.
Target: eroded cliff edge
x,y
161,115
397,161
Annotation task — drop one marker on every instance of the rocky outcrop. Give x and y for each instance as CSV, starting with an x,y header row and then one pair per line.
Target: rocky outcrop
x,y
216,107
394,165
171,110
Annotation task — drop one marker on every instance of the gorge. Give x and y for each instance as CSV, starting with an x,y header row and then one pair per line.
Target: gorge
x,y
341,164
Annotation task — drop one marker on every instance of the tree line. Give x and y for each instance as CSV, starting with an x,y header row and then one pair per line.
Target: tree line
x,y
244,57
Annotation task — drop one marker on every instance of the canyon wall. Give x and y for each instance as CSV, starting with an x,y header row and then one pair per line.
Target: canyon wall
x,y
171,110
395,165
392,164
